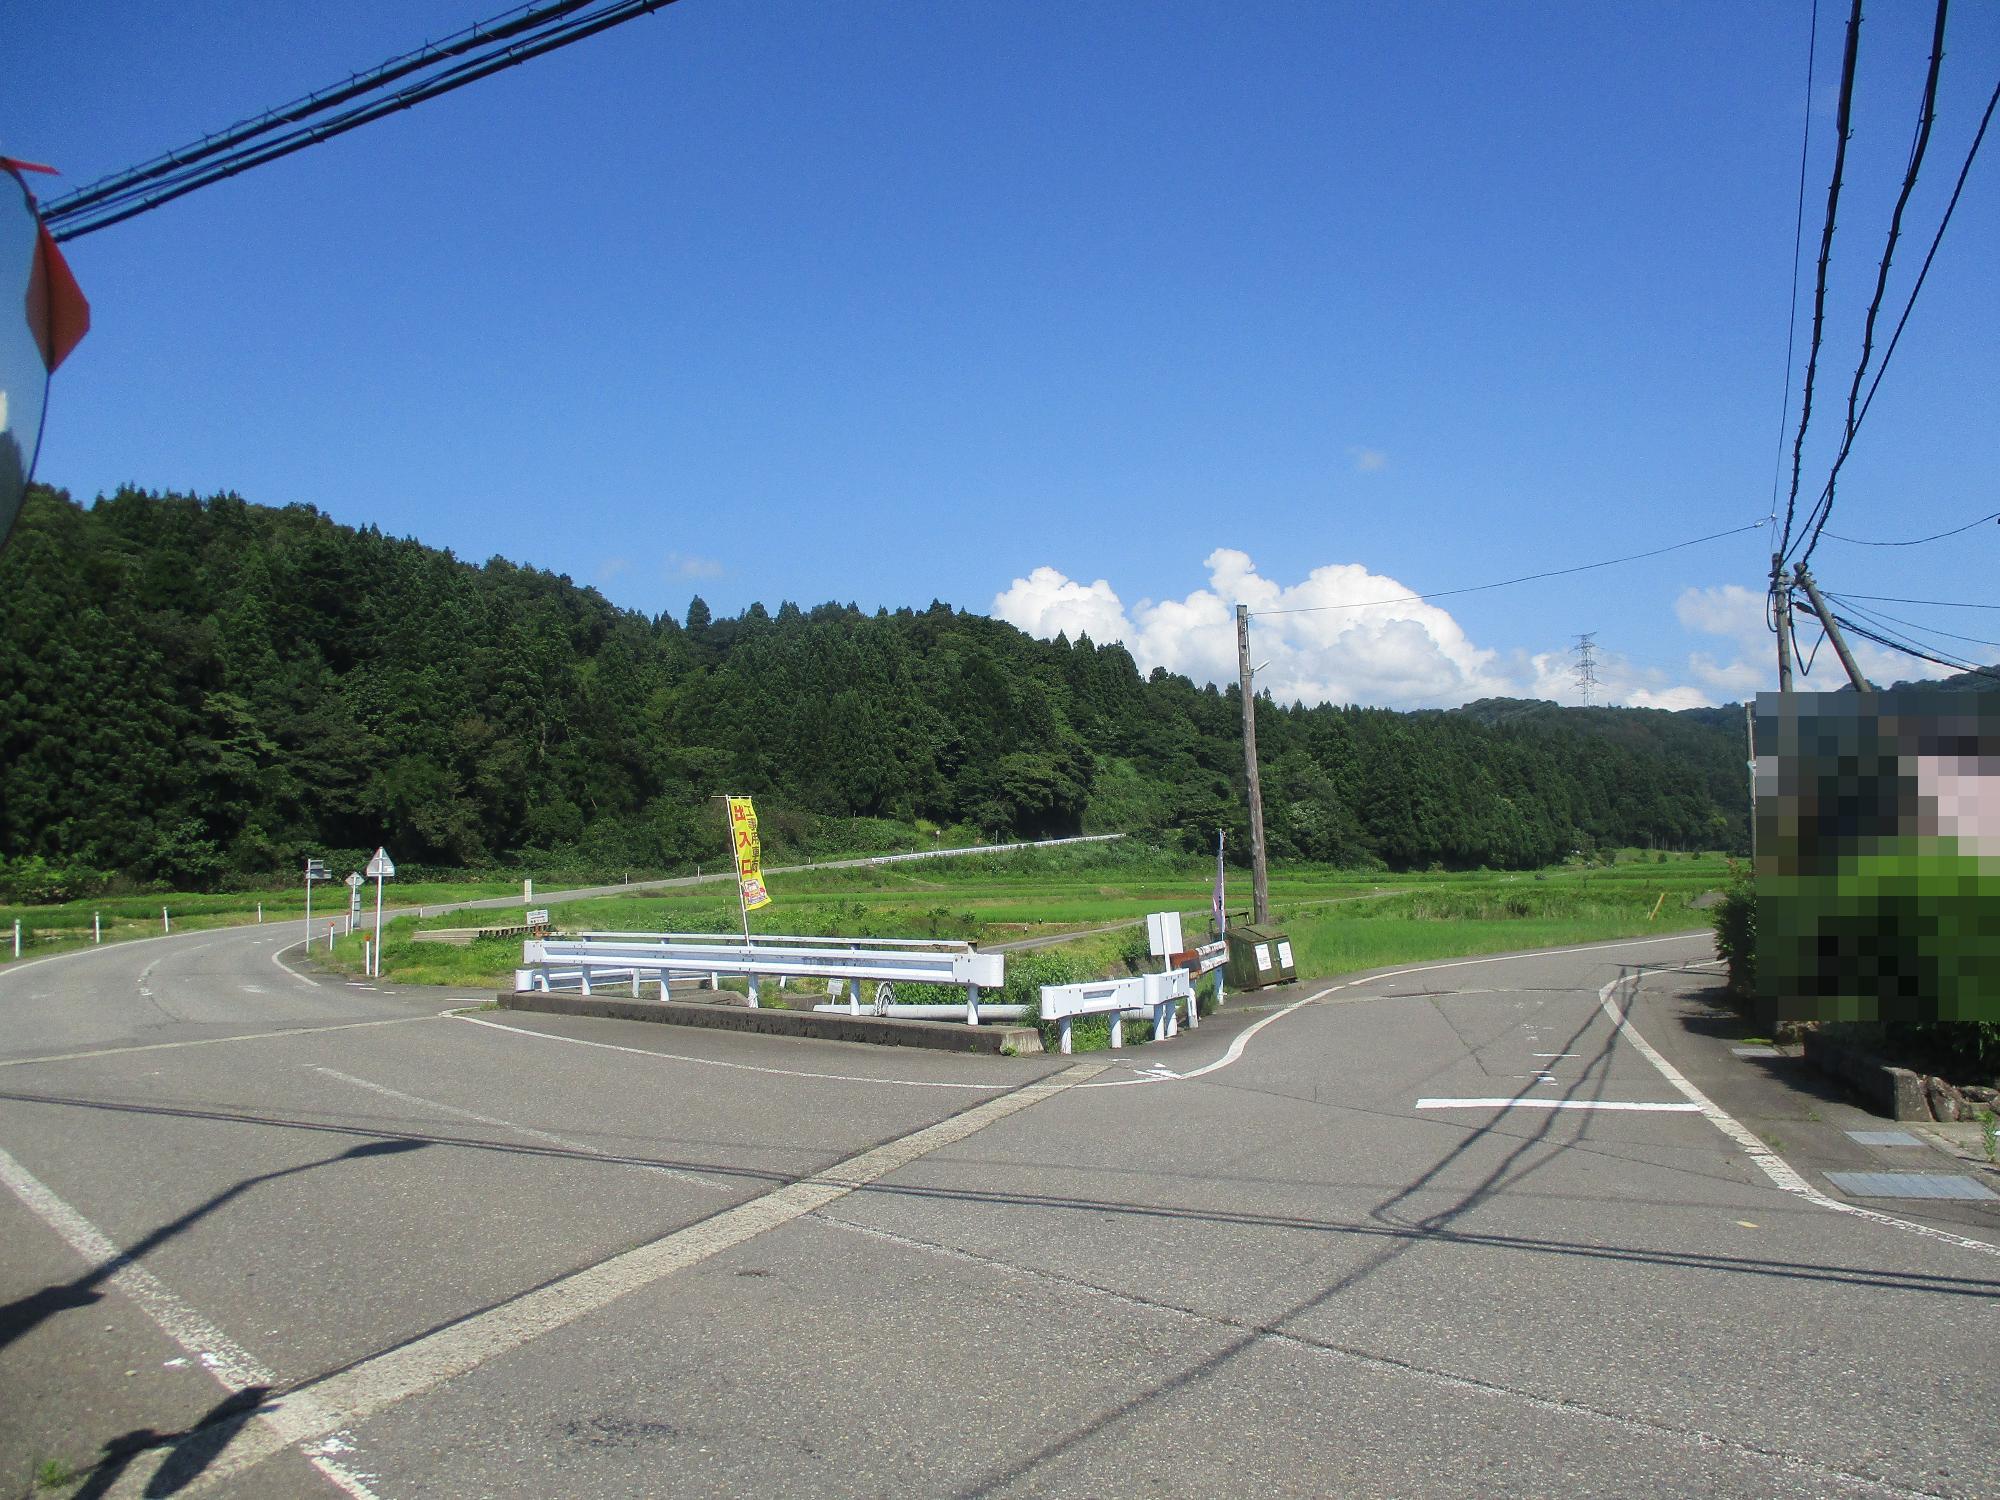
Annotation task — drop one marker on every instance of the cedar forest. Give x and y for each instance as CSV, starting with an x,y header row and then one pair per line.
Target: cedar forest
x,y
197,692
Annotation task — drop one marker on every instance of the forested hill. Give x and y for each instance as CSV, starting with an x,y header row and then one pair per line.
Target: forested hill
x,y
197,690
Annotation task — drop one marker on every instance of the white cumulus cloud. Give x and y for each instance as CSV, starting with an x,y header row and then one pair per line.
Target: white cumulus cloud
x,y
1341,635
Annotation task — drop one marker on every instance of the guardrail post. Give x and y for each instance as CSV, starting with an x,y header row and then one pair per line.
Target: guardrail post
x,y
1064,1046
585,976
753,991
1117,1028
853,996
972,1005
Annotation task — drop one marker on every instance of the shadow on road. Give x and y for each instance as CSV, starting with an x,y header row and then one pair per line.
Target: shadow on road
x,y
26,1313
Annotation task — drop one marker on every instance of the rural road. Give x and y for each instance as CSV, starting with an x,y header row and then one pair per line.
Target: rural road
x,y
272,1233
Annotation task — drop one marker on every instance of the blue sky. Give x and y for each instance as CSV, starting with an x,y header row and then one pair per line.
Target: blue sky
x,y
1096,315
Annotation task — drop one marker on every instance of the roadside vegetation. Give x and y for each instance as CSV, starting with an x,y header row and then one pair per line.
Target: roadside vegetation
x,y
1089,897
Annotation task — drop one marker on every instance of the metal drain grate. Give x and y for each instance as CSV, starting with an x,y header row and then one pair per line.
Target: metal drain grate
x,y
1907,1185
1883,1138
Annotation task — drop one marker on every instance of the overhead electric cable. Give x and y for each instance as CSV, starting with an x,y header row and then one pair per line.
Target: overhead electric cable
x,y
1950,207
1886,620
1933,603
1478,588
1798,247
1909,650
1926,117
1842,129
499,28
154,191
1917,541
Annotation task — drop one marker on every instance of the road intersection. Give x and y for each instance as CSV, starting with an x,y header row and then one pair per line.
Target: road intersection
x,y
272,1232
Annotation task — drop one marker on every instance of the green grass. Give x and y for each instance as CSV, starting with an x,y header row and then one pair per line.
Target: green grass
x,y
1340,921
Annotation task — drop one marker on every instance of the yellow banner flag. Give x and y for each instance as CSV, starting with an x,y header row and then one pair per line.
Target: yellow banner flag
x,y
749,853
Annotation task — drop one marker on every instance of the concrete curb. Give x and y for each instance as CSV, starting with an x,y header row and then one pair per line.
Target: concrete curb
x,y
1895,1092
882,1031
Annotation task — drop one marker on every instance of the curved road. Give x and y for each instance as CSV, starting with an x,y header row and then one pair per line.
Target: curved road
x,y
1471,1228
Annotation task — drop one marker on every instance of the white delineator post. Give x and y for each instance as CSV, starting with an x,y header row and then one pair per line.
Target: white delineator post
x,y
97,926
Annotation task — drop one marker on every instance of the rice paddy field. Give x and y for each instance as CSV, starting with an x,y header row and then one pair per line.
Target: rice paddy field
x,y
1088,900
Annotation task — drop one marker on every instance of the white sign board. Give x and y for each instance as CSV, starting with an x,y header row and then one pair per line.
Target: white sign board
x,y
381,866
539,917
1284,955
1163,933
1263,957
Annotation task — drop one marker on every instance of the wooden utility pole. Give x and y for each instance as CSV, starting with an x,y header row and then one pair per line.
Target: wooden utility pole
x,y
1260,875
1781,615
1825,617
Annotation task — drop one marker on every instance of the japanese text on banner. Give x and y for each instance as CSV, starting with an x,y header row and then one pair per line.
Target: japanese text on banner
x,y
749,853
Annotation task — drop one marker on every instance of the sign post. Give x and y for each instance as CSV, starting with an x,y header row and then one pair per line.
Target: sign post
x,y
315,870
353,898
382,868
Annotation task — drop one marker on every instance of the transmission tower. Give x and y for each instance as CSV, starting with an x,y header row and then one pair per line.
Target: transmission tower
x,y
1586,666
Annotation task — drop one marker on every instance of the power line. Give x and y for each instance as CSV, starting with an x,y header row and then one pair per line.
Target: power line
x,y
1798,245
505,45
1478,588
1933,603
1882,617
1917,541
1842,129
1910,650
1925,119
1964,171
499,28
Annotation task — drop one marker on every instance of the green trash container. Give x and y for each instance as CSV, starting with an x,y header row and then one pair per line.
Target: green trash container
x,y
1259,956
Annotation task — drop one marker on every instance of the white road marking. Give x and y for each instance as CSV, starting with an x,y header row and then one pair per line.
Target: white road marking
x,y
1242,1039
712,1062
1524,1101
312,1413
1555,1054
549,1137
233,1366
1775,1167
207,1041
277,957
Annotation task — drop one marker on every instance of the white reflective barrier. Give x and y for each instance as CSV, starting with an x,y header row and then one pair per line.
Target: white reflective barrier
x,y
1159,994
850,962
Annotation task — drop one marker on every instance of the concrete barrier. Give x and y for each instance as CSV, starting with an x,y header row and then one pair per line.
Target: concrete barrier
x,y
881,1031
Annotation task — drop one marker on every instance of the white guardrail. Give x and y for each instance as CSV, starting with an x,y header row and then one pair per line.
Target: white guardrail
x,y
849,962
1157,994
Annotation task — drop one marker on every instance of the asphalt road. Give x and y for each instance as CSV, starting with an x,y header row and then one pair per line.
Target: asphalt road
x,y
269,1233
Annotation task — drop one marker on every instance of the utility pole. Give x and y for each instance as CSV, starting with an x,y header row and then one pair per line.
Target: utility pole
x,y
1825,618
1781,615
1586,666
1260,875
1750,735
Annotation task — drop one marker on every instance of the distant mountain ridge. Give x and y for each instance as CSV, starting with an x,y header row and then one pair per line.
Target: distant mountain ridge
x,y
198,689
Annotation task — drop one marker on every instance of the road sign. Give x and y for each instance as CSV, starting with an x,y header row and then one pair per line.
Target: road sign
x,y
539,917
316,870
354,880
381,867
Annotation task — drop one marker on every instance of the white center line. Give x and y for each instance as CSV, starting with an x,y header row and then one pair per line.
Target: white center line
x,y
546,1136
313,1412
207,1041
1522,1101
